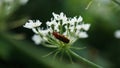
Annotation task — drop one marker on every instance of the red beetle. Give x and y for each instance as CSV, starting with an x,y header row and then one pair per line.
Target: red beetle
x,y
61,37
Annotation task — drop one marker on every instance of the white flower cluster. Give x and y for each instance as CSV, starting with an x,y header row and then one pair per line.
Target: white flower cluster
x,y
71,28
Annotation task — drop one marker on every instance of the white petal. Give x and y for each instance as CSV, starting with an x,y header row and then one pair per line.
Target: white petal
x,y
56,16
71,28
83,35
78,27
60,16
43,32
72,21
30,24
79,19
52,22
86,26
37,39
48,23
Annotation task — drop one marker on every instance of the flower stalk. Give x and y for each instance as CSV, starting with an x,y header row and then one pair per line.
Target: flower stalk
x,y
84,61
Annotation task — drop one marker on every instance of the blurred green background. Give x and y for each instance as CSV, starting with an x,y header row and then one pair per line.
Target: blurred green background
x,y
17,50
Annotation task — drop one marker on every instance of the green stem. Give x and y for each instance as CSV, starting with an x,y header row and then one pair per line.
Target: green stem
x,y
49,46
84,61
89,4
61,29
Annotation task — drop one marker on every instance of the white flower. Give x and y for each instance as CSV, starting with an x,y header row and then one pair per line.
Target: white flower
x,y
72,21
71,28
75,20
83,35
30,24
37,39
44,32
59,17
62,17
78,27
117,34
85,26
52,22
79,19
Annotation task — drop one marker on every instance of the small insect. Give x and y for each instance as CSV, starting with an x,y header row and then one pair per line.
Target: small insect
x,y
61,37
